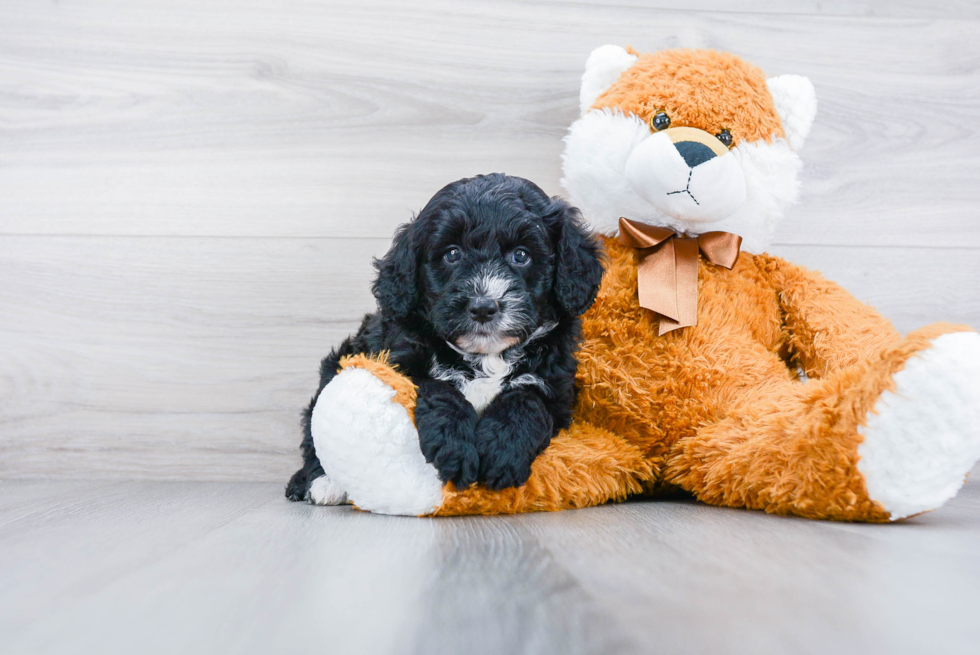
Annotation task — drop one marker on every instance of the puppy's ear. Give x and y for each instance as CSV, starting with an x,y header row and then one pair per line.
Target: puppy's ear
x,y
396,288
578,270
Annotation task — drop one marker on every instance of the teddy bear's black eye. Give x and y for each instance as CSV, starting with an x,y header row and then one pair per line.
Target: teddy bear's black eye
x,y
660,121
453,255
521,257
725,137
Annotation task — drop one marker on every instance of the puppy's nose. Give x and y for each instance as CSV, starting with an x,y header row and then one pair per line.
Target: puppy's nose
x,y
482,310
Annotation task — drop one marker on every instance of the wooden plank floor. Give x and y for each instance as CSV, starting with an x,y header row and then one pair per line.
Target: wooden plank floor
x,y
192,567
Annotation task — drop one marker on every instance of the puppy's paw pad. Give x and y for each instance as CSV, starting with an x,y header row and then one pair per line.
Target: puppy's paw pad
x,y
324,491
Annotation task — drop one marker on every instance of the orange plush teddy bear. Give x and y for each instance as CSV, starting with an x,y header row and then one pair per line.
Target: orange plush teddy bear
x,y
706,365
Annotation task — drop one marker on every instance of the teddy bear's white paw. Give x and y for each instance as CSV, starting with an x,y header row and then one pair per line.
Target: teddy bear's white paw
x,y
369,447
922,439
324,491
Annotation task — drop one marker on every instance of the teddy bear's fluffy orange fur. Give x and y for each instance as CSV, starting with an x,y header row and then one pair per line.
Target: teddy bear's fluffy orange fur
x,y
717,409
707,89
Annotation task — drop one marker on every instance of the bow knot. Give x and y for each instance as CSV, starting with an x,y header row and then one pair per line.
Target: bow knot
x,y
667,275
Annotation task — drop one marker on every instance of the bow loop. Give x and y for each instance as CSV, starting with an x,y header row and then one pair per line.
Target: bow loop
x,y
667,276
720,248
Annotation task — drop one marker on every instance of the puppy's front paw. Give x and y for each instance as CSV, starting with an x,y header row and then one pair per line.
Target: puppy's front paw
x,y
502,469
456,461
508,438
446,423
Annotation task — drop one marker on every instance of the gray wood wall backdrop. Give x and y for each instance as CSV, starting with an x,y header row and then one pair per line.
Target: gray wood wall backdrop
x,y
191,192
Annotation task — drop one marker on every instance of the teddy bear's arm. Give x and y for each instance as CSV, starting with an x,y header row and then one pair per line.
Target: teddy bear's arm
x,y
826,328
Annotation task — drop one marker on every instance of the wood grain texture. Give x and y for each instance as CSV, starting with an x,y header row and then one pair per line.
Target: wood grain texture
x,y
190,194
755,583
171,357
333,119
234,568
876,8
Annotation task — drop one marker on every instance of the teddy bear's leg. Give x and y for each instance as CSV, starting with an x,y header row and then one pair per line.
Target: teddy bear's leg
x,y
882,439
366,440
923,436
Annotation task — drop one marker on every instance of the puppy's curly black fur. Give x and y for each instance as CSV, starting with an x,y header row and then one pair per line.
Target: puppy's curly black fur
x,y
479,299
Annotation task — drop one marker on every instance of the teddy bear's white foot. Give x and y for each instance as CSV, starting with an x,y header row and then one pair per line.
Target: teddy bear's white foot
x,y
922,439
324,491
369,447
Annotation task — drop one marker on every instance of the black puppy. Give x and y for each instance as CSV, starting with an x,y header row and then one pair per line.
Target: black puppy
x,y
479,299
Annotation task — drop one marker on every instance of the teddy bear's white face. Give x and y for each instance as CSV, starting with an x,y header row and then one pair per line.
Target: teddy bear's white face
x,y
680,177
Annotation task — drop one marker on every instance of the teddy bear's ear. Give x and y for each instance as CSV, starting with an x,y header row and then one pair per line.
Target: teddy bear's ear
x,y
796,104
602,68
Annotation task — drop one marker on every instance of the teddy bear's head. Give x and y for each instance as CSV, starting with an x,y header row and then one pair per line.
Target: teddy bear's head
x,y
692,140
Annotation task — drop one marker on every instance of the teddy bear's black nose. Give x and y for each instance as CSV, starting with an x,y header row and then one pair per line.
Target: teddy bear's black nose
x,y
482,310
694,153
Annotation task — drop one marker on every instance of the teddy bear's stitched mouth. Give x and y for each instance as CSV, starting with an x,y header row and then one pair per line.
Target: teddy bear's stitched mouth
x,y
686,189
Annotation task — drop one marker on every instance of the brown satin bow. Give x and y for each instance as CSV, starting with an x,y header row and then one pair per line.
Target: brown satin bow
x,y
667,276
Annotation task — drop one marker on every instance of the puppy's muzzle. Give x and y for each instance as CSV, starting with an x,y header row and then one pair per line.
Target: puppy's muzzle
x,y
483,309
687,174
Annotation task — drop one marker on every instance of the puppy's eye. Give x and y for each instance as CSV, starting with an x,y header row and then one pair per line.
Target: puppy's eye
x,y
521,257
659,121
725,137
453,255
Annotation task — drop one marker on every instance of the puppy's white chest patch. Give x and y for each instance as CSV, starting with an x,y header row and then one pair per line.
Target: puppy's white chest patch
x,y
489,373
481,391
